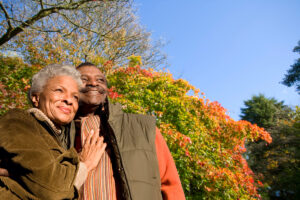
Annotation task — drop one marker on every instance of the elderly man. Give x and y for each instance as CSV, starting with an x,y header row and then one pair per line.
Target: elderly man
x,y
137,163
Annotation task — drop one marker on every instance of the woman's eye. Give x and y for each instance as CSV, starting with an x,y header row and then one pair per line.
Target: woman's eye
x,y
58,90
76,98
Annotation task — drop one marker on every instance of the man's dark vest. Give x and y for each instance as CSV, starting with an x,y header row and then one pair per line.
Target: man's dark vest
x,y
133,142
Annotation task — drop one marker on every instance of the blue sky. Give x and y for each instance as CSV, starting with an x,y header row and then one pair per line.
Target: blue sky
x,y
229,49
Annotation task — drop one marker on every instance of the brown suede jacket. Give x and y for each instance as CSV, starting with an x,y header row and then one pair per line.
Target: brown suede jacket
x,y
40,168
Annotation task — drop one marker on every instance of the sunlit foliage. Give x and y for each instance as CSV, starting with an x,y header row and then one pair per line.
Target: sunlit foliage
x,y
207,145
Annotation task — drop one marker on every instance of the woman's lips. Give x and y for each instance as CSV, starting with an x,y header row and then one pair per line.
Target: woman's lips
x,y
65,109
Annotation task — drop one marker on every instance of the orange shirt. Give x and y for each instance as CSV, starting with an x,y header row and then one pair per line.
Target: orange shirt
x,y
170,183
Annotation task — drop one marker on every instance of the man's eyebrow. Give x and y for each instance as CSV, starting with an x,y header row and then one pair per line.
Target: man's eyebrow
x,y
102,76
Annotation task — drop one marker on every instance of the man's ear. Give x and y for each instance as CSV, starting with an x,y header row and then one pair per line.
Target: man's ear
x,y
35,98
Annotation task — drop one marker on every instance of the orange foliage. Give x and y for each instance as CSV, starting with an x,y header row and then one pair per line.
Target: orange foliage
x,y
206,143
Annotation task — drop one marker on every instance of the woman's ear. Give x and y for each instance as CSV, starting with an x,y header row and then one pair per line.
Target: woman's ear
x,y
35,98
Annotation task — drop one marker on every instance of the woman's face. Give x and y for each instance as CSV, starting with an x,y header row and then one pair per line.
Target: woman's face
x,y
58,100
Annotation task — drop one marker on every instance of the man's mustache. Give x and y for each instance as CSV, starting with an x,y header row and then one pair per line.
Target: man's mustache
x,y
93,88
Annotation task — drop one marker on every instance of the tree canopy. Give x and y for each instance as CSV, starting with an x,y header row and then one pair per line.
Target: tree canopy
x,y
76,31
293,74
265,112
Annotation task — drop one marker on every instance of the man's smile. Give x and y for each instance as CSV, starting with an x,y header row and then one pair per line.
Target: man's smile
x,y
96,92
93,90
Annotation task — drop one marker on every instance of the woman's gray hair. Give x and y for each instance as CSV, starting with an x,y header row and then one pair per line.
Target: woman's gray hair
x,y
40,79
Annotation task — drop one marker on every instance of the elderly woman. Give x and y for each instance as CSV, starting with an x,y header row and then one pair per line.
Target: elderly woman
x,y
35,144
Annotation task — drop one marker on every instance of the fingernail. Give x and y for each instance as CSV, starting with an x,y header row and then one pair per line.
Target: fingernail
x,y
92,131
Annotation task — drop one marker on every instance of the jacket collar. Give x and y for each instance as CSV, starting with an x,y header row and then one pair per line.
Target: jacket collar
x,y
39,115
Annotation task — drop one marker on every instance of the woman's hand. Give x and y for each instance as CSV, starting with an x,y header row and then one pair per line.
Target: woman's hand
x,y
3,172
92,150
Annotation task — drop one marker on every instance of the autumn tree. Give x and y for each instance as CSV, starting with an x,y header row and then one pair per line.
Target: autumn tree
x,y
205,142
15,76
279,162
293,74
76,31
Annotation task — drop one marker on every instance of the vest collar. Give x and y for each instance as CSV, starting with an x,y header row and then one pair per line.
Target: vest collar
x,y
114,111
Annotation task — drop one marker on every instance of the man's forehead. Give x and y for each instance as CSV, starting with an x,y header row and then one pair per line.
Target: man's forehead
x,y
90,70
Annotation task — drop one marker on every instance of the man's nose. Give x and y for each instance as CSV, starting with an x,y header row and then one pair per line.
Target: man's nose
x,y
93,82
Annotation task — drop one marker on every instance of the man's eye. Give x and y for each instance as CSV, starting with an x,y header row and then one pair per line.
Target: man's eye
x,y
101,80
84,79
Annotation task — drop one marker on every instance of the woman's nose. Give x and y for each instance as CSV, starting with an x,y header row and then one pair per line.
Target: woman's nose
x,y
68,99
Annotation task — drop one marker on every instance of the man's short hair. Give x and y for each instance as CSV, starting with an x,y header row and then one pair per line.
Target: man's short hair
x,y
86,64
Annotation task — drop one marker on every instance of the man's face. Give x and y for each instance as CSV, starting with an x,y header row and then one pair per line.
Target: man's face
x,y
94,90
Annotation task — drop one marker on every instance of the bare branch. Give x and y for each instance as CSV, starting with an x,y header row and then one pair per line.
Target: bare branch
x,y
6,16
10,33
75,24
42,4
